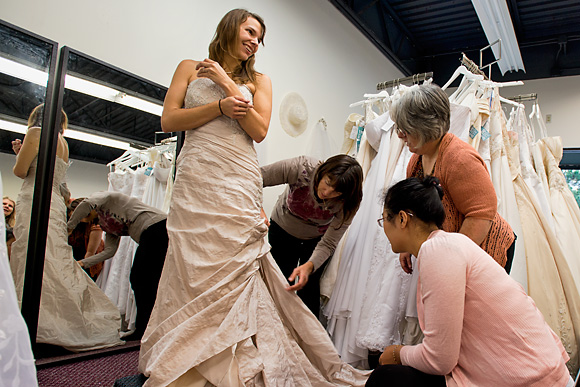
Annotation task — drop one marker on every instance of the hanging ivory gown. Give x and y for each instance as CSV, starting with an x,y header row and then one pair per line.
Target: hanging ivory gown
x,y
224,317
547,266
74,312
484,121
519,124
564,206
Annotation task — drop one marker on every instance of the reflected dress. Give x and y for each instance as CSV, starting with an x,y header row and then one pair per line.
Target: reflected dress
x,y
74,312
222,314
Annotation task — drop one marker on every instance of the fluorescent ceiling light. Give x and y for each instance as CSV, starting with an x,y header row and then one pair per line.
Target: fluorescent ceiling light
x,y
13,126
110,94
70,133
80,85
88,137
18,70
495,19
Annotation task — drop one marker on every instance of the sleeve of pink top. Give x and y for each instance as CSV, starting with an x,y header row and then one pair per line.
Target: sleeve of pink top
x,y
442,279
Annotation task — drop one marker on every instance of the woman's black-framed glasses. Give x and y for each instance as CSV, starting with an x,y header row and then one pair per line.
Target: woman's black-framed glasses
x,y
381,220
400,132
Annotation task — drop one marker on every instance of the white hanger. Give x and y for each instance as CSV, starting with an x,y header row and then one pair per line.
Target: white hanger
x,y
510,102
533,110
381,95
501,84
368,100
462,70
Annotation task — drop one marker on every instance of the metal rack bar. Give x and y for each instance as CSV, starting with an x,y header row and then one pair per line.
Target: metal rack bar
x,y
471,66
524,97
401,81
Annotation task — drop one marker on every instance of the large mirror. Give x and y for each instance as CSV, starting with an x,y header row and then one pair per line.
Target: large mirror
x,y
27,83
114,143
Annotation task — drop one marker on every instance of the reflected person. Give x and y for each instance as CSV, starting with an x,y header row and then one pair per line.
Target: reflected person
x,y
121,215
9,205
74,312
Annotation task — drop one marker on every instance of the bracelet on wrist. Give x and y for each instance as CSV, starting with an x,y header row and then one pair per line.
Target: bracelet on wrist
x,y
220,106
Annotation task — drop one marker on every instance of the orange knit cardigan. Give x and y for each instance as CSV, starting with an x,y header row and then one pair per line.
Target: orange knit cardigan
x,y
467,191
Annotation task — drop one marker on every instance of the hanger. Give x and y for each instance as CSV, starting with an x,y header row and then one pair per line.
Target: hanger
x,y
510,102
370,98
501,84
462,70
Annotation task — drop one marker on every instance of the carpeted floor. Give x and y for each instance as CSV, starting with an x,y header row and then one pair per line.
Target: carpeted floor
x,y
98,371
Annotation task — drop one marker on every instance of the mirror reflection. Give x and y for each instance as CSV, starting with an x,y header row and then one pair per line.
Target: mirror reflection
x,y
106,143
74,313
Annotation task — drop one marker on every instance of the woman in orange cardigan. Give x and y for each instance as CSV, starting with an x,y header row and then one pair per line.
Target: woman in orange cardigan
x,y
422,117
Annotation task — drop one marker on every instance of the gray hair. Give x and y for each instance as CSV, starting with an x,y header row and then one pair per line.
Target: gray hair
x,y
422,112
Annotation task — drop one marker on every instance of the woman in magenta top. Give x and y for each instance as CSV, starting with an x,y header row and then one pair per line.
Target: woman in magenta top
x,y
481,328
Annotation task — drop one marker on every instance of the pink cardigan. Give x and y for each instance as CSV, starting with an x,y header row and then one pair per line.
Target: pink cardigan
x,y
481,328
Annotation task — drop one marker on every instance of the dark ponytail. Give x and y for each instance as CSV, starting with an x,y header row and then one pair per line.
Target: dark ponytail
x,y
420,197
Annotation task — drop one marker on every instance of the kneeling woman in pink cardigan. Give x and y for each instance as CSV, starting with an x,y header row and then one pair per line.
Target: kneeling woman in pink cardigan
x,y
481,328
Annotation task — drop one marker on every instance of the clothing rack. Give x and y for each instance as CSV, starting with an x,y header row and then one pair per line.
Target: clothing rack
x,y
524,97
134,158
399,81
471,66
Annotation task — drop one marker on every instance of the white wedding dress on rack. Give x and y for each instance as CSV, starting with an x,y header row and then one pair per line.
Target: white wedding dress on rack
x,y
366,245
16,355
115,274
372,303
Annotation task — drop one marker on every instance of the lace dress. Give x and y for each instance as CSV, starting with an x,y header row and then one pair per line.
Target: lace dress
x,y
74,312
223,316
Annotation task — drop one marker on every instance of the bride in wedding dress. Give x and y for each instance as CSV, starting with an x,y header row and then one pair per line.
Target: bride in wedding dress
x,y
222,316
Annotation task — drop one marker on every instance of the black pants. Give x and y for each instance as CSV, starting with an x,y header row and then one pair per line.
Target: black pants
x,y
510,255
404,376
146,271
287,251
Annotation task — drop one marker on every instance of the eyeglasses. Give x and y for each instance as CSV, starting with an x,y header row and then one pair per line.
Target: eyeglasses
x,y
381,221
400,132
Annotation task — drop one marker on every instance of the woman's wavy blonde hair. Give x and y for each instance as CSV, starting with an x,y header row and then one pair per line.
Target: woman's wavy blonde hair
x,y
225,37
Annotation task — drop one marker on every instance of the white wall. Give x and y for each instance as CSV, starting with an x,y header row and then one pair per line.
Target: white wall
x,y
558,97
310,48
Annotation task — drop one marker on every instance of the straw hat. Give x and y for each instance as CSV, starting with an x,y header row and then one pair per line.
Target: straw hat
x,y
293,114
